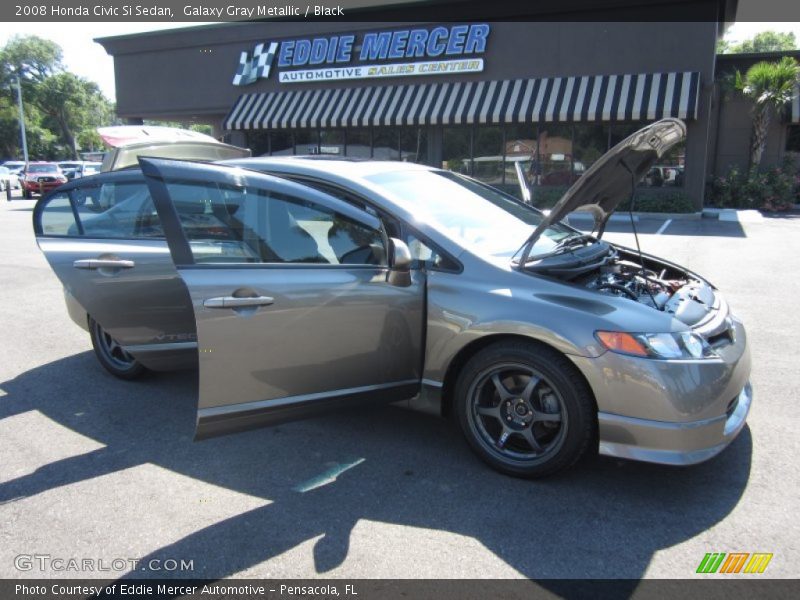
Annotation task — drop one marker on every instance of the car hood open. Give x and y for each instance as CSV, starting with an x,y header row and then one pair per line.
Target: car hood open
x,y
608,182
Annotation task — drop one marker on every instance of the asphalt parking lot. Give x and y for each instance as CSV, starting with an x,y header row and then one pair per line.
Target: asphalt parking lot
x,y
93,467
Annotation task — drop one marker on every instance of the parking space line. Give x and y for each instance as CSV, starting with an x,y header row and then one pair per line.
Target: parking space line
x,y
663,227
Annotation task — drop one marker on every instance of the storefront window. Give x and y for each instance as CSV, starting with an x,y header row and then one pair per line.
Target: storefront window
x,y
457,149
669,172
414,144
386,143
487,161
520,146
258,142
281,143
555,155
306,141
589,142
331,141
619,131
359,143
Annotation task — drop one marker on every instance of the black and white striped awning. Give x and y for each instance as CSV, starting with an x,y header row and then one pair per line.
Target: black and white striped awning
x,y
646,96
794,106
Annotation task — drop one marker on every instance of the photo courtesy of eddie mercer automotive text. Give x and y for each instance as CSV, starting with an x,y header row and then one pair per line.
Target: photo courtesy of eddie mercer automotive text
x,y
306,284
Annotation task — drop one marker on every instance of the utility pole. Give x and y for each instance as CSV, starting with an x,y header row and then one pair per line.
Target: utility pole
x,y
22,122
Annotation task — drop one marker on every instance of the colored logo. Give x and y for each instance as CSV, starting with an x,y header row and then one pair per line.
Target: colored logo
x,y
256,66
734,562
441,50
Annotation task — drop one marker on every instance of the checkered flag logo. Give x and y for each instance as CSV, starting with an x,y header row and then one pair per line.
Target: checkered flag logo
x,y
256,67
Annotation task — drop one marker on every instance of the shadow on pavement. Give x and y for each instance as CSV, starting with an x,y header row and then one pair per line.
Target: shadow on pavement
x,y
604,518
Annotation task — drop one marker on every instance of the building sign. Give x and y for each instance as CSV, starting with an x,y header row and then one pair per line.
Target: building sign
x,y
441,50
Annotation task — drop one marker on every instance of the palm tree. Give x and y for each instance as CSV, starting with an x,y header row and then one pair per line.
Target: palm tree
x,y
770,85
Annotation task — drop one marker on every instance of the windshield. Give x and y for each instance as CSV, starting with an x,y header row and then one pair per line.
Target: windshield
x,y
45,168
470,212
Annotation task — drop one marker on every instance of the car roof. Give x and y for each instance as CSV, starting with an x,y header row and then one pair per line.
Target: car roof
x,y
352,168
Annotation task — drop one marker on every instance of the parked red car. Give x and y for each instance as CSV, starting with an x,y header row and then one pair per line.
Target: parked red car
x,y
40,177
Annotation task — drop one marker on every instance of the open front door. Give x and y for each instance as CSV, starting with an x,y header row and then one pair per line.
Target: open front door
x,y
294,310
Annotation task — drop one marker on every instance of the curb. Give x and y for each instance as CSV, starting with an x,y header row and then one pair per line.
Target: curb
x,y
733,215
625,218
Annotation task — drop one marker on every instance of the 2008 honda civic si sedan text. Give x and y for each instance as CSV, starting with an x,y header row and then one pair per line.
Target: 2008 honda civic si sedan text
x,y
307,284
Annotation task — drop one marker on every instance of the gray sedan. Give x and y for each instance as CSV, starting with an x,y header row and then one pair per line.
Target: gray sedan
x,y
304,285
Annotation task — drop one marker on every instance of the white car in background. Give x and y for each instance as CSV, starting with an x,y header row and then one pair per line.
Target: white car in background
x,y
8,180
79,168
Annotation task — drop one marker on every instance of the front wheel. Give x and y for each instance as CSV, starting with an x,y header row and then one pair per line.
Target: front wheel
x,y
525,409
112,356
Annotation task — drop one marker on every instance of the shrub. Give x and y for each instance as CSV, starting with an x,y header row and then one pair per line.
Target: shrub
x,y
659,200
546,196
772,190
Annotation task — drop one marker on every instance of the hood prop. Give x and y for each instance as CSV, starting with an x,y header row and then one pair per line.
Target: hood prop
x,y
624,163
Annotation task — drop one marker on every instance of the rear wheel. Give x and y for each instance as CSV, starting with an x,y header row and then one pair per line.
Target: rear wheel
x,y
524,409
26,194
112,356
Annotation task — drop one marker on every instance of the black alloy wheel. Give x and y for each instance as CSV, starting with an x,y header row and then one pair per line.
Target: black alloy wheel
x,y
525,409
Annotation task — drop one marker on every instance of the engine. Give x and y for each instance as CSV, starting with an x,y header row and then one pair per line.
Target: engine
x,y
631,280
621,272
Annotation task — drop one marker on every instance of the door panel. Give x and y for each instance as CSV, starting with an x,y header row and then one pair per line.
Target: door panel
x,y
293,309
103,244
328,335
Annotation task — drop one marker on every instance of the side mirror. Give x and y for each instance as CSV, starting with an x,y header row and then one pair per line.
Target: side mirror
x,y
400,255
399,263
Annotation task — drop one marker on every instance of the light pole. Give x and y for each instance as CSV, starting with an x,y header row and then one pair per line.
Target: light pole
x,y
22,122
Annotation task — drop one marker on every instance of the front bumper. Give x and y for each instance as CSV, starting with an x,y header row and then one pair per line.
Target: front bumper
x,y
44,186
670,412
673,443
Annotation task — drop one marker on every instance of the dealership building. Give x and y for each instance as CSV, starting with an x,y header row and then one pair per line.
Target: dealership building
x,y
474,96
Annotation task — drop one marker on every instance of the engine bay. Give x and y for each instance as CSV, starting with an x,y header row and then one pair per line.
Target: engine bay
x,y
601,267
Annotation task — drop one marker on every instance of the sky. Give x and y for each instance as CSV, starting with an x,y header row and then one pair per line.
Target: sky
x,y
86,58
82,55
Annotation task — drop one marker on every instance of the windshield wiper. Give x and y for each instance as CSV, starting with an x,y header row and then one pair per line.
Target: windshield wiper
x,y
563,245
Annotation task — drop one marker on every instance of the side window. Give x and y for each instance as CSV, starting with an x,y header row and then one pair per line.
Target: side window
x,y
238,224
431,258
117,210
57,217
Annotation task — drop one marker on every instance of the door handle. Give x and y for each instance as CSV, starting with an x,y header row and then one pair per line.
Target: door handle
x,y
103,263
234,302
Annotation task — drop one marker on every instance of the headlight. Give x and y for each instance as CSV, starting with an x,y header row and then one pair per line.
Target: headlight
x,y
683,345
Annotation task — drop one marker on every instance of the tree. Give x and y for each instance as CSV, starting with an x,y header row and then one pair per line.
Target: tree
x,y
765,41
70,105
61,109
770,85
31,58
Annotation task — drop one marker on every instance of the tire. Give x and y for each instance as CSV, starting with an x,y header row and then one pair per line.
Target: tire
x,y
112,356
540,420
26,194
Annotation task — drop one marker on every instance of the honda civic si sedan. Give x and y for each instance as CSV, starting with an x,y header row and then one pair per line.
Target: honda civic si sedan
x,y
303,285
